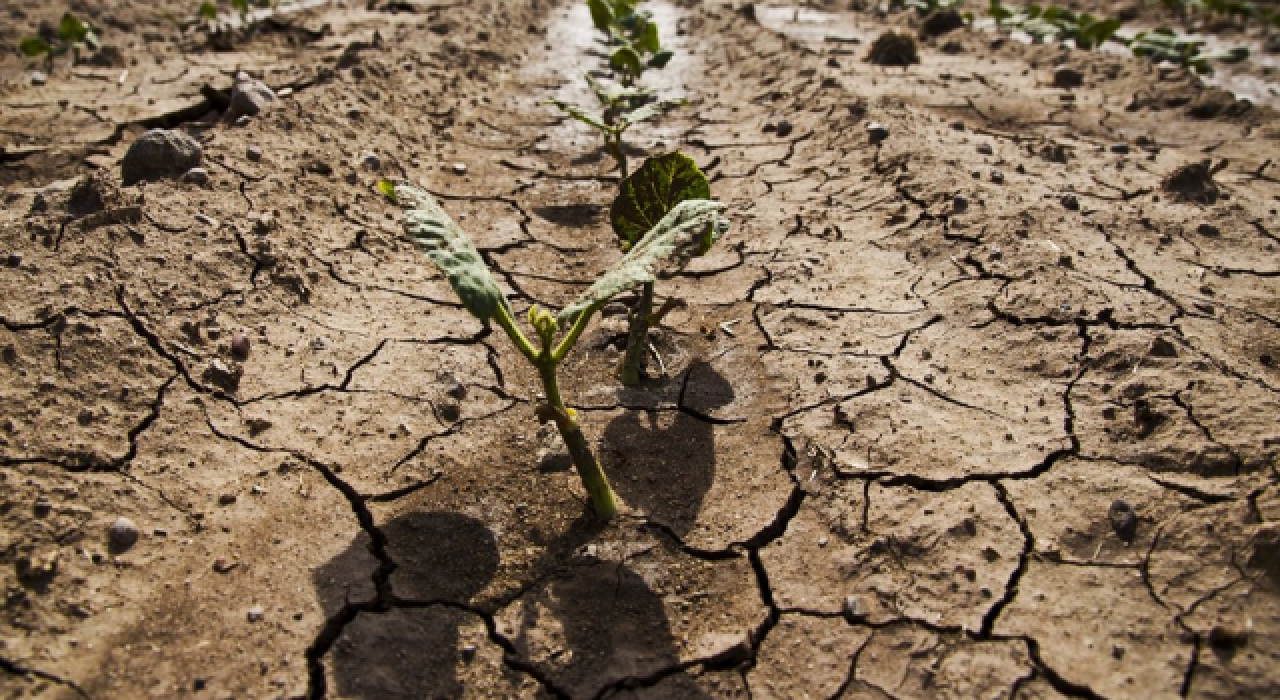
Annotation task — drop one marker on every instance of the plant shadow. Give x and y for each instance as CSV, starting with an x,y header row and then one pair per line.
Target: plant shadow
x,y
664,462
586,624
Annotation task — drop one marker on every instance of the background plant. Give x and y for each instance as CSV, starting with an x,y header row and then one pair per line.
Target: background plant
x,y
621,107
687,229
1165,44
632,35
71,34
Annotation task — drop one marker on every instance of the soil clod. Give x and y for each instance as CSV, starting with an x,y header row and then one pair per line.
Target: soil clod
x,y
941,21
1067,78
159,154
249,97
1194,182
894,48
1124,521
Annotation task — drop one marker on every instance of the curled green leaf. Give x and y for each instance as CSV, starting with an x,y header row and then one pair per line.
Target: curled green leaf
x,y
666,247
652,191
452,251
661,59
72,29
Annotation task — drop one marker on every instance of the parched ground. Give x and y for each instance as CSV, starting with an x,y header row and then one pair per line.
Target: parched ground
x,y
883,454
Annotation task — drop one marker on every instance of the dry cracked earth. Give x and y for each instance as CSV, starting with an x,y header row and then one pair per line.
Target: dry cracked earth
x,y
880,451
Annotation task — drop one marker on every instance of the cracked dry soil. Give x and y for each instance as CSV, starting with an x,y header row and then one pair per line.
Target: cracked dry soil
x,y
882,459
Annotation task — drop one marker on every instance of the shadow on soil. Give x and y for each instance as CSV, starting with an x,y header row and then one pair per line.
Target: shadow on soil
x,y
663,463
591,624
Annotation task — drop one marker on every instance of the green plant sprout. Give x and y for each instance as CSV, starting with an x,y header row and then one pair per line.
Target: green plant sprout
x,y
1053,22
621,107
666,246
634,34
644,199
1165,44
928,7
71,34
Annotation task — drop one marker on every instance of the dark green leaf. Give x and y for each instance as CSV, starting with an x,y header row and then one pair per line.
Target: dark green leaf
x,y
648,41
648,194
661,59
208,11
71,29
452,251
626,60
601,14
241,6
32,46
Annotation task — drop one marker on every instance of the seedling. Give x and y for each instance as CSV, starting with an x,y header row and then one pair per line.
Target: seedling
x,y
633,33
666,246
71,34
1057,23
621,107
1165,44
645,198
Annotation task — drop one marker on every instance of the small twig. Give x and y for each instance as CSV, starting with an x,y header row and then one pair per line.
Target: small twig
x,y
661,365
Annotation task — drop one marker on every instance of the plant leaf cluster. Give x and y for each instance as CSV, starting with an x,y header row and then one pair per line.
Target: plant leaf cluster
x,y
633,37
1165,44
70,35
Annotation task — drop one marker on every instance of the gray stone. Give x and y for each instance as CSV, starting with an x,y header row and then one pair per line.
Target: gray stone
x,y
370,161
249,97
254,153
158,154
122,534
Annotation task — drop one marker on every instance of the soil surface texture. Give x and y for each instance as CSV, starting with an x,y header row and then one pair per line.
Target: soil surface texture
x,y
979,402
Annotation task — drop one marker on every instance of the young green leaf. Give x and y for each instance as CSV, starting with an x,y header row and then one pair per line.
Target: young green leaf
x,y
449,248
241,6
648,41
661,59
71,29
652,191
626,60
388,190
208,11
33,46
601,14
665,247
651,110
579,113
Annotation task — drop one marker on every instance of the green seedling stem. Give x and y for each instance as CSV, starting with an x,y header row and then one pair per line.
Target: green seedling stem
x,y
684,232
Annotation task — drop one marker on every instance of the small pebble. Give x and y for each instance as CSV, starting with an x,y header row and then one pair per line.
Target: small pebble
x,y
38,78
958,126
1208,230
122,534
226,499
997,177
240,347
1067,78
855,610
959,203
1120,148
196,176
784,128
468,652
42,506
242,120
254,153
459,168
1070,202
449,411
877,132
370,161
985,149
255,613
1123,520
13,260
206,220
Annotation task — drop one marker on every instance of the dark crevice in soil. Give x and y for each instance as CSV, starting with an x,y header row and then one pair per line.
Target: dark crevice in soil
x,y
1011,586
17,669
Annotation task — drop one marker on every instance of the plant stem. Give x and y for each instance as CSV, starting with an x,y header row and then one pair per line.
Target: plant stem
x,y
593,478
637,338
619,153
